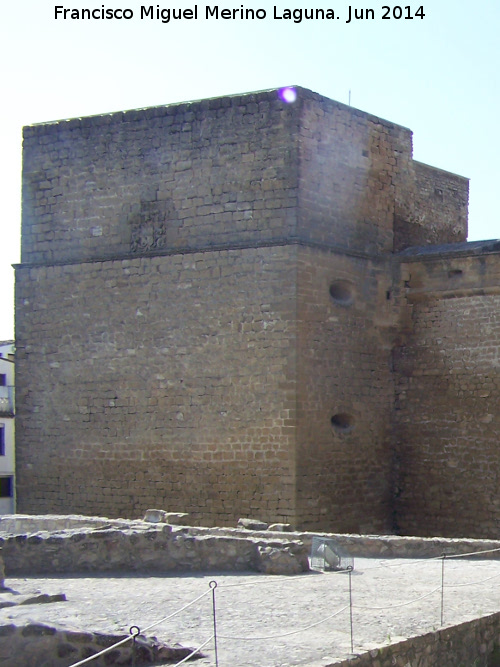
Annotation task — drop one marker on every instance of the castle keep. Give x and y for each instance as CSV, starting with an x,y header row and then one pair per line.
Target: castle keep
x,y
243,307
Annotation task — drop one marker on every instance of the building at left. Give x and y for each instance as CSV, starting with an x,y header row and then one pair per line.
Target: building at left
x,y
7,430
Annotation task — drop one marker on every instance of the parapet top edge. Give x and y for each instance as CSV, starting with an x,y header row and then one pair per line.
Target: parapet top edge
x,y
122,114
107,114
432,253
443,171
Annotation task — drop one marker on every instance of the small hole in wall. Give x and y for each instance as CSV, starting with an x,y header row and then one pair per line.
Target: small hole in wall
x,y
455,273
342,422
342,292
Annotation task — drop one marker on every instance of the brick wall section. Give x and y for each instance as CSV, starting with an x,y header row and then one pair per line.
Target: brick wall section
x,y
193,175
158,382
343,474
447,398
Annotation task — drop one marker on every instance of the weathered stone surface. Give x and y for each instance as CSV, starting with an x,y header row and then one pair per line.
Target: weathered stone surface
x,y
280,527
38,644
177,518
252,524
9,598
274,560
155,516
162,516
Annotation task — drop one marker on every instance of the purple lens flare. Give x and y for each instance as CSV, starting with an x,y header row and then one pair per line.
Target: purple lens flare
x,y
287,95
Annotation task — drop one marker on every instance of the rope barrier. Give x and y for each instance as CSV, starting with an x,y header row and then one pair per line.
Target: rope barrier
x,y
290,580
278,579
188,657
106,650
287,634
473,553
166,618
403,604
473,583
127,639
409,563
432,558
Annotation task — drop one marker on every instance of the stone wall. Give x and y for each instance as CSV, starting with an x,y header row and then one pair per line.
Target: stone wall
x,y
59,544
162,381
344,393
43,645
16,524
206,309
144,547
351,166
472,643
448,379
177,177
246,169
433,209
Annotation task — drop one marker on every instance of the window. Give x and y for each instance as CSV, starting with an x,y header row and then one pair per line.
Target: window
x,y
6,487
3,380
2,440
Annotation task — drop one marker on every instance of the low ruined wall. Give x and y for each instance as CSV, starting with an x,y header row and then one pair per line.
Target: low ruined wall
x,y
69,544
39,644
394,546
145,547
474,643
29,523
385,546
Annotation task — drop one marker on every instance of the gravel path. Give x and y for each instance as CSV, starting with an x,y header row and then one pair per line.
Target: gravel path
x,y
262,620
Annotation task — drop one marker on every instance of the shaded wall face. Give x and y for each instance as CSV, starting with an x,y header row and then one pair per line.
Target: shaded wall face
x,y
360,188
207,173
344,394
158,382
353,169
437,209
447,387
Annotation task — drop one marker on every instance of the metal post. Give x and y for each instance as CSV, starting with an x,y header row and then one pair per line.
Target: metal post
x,y
349,569
442,589
135,631
213,586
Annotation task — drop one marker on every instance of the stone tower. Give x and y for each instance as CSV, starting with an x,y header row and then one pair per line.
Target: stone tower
x,y
216,313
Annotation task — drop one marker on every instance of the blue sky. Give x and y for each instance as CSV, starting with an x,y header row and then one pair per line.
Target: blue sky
x,y
437,75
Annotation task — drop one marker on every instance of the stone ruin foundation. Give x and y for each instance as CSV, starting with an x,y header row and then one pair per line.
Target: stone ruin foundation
x,y
77,544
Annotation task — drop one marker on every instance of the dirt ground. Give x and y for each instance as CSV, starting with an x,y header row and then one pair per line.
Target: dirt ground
x,y
268,621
